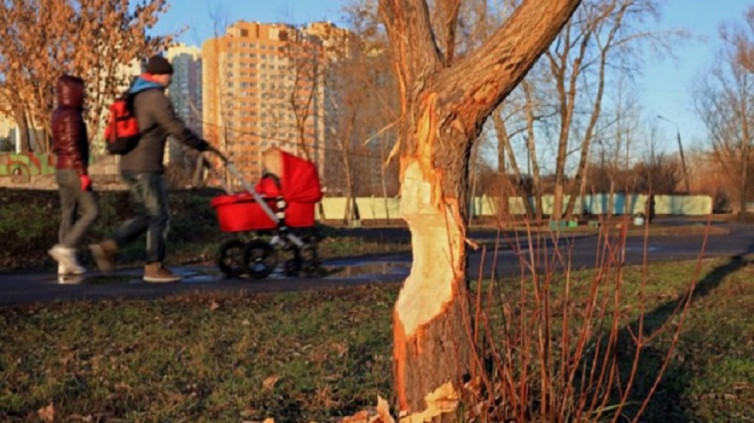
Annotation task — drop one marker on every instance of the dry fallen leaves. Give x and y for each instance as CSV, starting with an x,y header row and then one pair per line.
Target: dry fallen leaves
x,y
443,400
380,415
270,382
47,414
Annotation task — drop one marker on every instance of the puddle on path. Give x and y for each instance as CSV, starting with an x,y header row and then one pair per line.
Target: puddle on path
x,y
372,270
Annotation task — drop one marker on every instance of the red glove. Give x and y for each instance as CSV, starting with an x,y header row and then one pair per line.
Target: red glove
x,y
86,183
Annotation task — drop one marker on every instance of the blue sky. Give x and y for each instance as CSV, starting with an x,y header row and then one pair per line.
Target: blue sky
x,y
664,88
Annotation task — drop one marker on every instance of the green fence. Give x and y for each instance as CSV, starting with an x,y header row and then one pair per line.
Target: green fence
x,y
676,205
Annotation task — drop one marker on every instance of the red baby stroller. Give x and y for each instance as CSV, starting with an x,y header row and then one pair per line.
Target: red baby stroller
x,y
278,212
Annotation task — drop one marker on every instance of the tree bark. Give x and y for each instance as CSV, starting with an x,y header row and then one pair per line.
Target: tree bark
x,y
505,181
745,147
536,179
444,108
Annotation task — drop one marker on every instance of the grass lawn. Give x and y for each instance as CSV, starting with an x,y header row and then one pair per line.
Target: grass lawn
x,y
321,355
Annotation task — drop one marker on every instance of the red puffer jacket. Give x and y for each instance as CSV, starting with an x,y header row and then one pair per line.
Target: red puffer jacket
x,y
69,137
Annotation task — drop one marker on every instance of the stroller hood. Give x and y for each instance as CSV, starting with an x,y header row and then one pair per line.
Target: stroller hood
x,y
299,178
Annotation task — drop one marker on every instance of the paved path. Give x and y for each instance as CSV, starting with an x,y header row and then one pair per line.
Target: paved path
x,y
18,288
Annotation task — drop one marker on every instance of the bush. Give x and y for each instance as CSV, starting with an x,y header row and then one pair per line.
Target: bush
x,y
29,222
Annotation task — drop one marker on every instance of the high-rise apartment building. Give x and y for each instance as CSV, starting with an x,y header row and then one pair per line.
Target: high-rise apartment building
x,y
262,87
185,92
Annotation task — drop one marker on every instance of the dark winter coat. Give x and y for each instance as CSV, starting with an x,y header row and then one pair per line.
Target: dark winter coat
x,y
157,120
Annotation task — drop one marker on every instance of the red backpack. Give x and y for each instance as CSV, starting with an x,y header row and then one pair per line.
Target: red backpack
x,y
122,132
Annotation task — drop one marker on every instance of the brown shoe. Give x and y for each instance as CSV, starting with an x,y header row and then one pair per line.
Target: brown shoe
x,y
155,273
104,254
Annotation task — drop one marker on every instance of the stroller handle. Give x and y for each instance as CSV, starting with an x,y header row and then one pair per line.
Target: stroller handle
x,y
258,198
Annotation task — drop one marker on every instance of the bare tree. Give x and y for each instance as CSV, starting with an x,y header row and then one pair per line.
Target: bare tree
x,y
600,36
306,63
444,104
523,114
723,102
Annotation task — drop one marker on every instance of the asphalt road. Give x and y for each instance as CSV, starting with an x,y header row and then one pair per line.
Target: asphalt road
x,y
581,251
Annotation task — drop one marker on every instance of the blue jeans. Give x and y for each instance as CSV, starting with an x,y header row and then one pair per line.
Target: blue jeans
x,y
149,194
72,201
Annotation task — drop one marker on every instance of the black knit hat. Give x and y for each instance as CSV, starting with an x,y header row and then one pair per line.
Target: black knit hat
x,y
158,65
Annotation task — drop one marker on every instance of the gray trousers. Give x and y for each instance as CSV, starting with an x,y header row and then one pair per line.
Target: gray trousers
x,y
73,200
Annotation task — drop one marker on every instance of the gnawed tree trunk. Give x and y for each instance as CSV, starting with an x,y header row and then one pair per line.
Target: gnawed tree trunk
x,y
444,106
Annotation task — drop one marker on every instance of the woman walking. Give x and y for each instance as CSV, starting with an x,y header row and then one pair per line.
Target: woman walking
x,y
71,146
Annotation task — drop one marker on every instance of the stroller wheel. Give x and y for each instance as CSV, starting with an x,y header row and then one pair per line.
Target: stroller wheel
x,y
259,259
230,258
292,267
309,260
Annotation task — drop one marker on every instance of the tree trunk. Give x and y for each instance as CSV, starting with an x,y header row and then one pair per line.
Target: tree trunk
x,y
504,140
536,180
745,147
505,184
443,108
611,200
587,141
431,343
383,182
473,174
22,127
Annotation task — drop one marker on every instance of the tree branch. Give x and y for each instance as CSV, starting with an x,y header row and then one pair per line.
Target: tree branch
x,y
409,29
484,78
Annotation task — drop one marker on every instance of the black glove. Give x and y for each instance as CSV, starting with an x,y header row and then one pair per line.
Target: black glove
x,y
210,148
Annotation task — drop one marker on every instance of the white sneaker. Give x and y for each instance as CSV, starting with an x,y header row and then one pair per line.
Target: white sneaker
x,y
70,279
66,258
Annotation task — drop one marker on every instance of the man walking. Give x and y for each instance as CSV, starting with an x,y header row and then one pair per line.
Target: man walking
x,y
143,171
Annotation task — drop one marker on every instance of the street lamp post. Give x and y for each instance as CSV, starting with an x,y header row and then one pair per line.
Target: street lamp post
x,y
680,149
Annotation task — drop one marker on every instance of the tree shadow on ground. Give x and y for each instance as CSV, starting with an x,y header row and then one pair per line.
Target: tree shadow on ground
x,y
670,402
